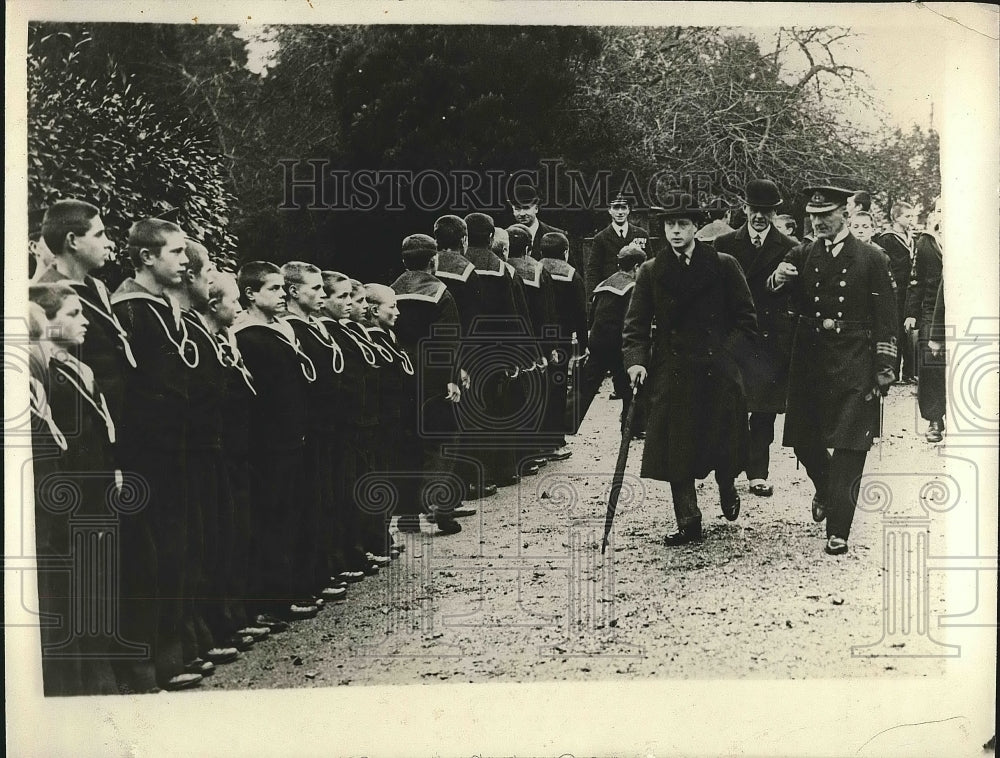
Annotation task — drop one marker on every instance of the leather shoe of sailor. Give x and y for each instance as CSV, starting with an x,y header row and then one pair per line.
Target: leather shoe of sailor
x,y
560,454
761,488
818,508
333,593
835,546
222,654
934,430
690,533
474,492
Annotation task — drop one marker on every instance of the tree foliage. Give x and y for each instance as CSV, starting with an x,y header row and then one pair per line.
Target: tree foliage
x,y
103,139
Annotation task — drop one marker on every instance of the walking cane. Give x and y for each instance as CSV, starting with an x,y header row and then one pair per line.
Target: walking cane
x,y
619,477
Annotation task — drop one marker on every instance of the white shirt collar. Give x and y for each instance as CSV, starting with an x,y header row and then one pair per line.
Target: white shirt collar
x,y
622,230
755,234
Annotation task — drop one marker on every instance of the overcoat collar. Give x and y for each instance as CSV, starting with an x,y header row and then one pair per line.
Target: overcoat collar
x,y
683,283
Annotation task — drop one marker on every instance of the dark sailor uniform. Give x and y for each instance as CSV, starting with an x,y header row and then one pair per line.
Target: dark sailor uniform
x,y
900,252
153,442
607,320
569,316
320,555
429,330
920,298
237,395
846,334
76,500
279,411
105,349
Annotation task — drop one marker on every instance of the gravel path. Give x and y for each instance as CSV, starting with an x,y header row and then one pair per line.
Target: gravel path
x,y
523,593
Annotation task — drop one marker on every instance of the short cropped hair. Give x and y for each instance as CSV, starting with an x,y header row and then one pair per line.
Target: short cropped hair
x,y
50,296
251,277
554,245
786,219
295,272
449,232
520,240
480,227
197,255
864,214
148,234
331,279
220,282
376,294
898,209
65,217
36,321
355,287
863,200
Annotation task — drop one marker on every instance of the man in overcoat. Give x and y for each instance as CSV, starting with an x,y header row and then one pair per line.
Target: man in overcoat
x,y
697,420
842,357
759,247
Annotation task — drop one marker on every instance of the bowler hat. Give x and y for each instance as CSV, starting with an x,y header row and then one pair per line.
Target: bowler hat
x,y
823,199
522,194
762,193
680,205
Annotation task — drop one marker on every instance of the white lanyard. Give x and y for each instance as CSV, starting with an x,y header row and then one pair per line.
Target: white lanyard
x,y
195,320
110,316
235,359
185,339
404,359
305,362
326,339
40,407
96,400
365,347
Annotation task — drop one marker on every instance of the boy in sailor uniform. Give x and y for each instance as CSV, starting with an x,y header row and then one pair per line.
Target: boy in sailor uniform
x,y
153,437
569,317
73,435
607,319
358,531
219,313
205,624
429,326
397,389
305,295
282,373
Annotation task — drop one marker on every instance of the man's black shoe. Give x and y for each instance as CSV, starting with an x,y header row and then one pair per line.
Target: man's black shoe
x,y
730,499
508,481
683,536
447,525
818,509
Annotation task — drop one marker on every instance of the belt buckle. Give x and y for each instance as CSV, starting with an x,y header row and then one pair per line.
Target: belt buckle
x,y
828,324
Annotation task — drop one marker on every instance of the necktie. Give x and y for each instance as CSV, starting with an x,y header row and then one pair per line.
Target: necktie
x,y
757,242
682,257
621,233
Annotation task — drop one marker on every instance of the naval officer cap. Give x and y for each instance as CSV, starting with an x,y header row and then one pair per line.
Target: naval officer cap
x,y
824,199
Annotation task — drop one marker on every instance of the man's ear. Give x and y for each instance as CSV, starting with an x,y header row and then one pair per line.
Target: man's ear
x,y
145,256
249,295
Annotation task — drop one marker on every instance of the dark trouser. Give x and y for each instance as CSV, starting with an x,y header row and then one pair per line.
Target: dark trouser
x,y
685,499
360,529
554,423
313,567
275,491
238,494
837,479
587,383
154,560
436,493
906,363
761,437
931,395
203,600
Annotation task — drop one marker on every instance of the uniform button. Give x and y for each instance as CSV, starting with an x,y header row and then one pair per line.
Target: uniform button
x,y
709,352
841,298
839,313
817,284
765,334
843,284
844,271
817,314
816,298
816,270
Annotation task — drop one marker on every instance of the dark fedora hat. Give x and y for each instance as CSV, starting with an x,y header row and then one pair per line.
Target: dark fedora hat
x,y
680,205
762,193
